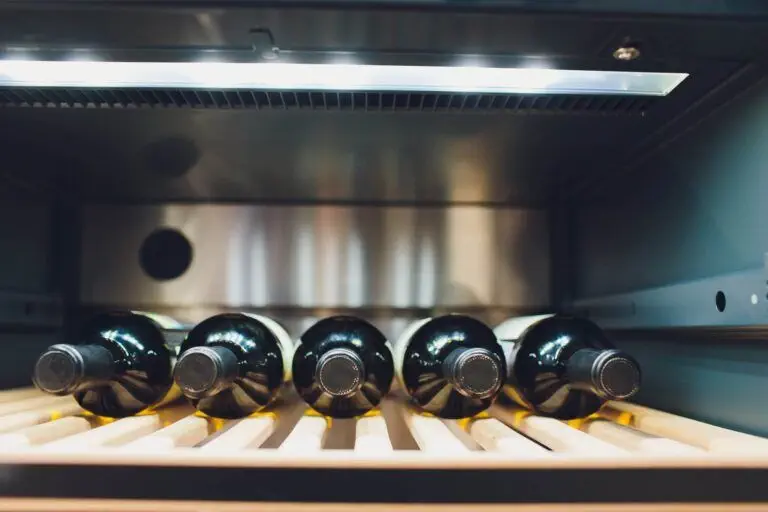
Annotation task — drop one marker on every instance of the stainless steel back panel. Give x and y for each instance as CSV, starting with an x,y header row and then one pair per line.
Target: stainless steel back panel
x,y
311,257
182,155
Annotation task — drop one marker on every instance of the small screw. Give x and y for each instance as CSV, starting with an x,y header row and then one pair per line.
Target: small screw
x,y
271,53
626,53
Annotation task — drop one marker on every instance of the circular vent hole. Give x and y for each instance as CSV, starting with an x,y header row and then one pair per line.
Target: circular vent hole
x,y
165,254
720,301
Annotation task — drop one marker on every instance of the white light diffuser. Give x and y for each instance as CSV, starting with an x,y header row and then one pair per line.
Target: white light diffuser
x,y
333,77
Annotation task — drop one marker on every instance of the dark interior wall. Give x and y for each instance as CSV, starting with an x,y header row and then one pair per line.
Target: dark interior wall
x,y
655,249
20,350
712,379
24,237
29,306
695,209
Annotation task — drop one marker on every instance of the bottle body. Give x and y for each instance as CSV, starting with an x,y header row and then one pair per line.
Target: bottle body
x,y
234,364
121,366
564,367
342,366
450,366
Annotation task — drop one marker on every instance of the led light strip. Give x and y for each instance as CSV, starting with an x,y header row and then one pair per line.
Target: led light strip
x,y
333,77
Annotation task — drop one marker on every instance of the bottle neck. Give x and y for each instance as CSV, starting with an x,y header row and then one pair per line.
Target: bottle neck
x,y
609,374
64,369
205,371
340,372
473,372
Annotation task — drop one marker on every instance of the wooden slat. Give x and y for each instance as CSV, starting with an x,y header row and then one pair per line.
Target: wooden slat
x,y
247,433
28,404
371,436
458,429
399,433
555,434
306,436
432,435
186,432
685,430
494,436
13,395
634,440
349,459
113,434
42,414
44,433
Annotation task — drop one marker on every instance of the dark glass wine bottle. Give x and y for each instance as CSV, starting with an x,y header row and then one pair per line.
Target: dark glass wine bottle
x,y
121,366
564,367
451,366
342,366
233,364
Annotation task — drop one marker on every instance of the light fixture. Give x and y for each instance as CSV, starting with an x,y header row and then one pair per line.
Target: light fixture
x,y
334,77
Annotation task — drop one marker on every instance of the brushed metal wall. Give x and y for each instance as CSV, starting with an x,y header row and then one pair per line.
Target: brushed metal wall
x,y
311,257
183,155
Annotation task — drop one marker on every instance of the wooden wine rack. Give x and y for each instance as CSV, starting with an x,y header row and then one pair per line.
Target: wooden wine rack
x,y
53,456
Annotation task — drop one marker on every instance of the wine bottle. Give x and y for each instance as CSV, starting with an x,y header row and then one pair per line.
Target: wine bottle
x,y
121,366
233,364
564,367
451,366
342,366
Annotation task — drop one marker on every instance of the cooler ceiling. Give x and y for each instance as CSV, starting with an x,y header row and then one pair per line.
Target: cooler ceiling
x,y
131,145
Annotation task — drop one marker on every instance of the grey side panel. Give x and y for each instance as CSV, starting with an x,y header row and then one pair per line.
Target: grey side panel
x,y
697,211
726,300
716,381
322,257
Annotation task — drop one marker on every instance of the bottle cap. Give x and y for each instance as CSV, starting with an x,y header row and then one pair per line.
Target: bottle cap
x,y
340,372
475,372
615,375
204,371
59,370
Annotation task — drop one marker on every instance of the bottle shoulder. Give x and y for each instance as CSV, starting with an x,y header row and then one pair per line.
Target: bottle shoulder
x,y
564,331
231,329
344,330
124,334
442,334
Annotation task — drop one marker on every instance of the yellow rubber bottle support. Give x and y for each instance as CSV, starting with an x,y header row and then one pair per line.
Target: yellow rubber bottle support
x,y
465,423
264,414
100,421
173,394
518,417
577,423
515,396
625,418
419,412
314,414
216,424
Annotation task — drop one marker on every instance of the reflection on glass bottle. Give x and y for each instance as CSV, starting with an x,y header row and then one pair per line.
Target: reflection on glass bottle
x,y
450,366
564,367
121,366
232,365
342,366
